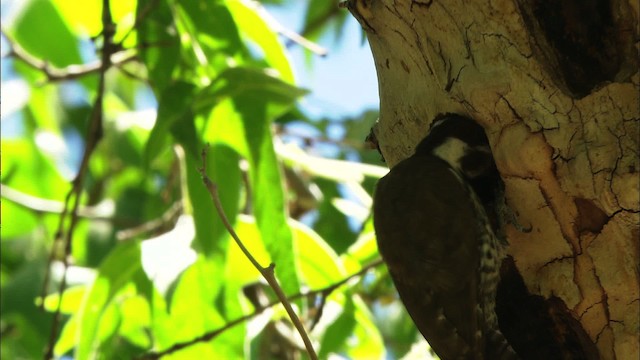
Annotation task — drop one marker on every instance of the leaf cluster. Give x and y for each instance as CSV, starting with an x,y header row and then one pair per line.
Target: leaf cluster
x,y
103,204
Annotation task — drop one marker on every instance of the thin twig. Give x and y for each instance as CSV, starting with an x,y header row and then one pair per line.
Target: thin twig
x,y
294,37
167,219
268,272
94,134
324,292
289,34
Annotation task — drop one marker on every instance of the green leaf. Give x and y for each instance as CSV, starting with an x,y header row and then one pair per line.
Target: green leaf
x,y
262,98
174,104
252,20
258,87
193,312
54,43
22,162
158,32
191,308
319,264
136,318
258,99
339,331
67,339
43,107
17,220
71,300
224,125
209,37
185,133
110,320
368,343
210,24
239,269
85,17
269,204
223,170
114,273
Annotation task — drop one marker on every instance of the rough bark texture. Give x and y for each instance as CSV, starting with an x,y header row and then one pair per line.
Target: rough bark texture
x,y
555,84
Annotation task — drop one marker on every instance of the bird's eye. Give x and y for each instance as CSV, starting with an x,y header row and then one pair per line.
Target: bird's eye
x,y
475,163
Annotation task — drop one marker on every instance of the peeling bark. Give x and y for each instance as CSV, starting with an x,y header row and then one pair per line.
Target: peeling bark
x,y
555,84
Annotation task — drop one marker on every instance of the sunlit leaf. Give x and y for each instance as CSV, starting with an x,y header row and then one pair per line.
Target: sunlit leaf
x,y
22,162
83,17
337,333
114,273
223,169
253,22
190,308
71,300
239,268
367,342
221,76
55,42
67,339
319,264
258,99
136,317
259,106
192,312
363,251
44,107
209,37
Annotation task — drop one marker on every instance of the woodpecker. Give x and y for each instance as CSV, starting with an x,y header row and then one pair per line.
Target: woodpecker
x,y
438,220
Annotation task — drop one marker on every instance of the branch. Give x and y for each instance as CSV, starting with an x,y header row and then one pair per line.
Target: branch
x,y
324,292
168,218
43,206
268,272
70,72
302,41
70,211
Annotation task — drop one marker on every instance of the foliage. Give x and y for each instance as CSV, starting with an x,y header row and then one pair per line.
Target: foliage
x,y
151,262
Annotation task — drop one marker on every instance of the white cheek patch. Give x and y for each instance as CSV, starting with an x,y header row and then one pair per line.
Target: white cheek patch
x,y
452,150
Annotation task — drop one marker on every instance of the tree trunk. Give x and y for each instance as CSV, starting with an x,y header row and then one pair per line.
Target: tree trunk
x,y
555,84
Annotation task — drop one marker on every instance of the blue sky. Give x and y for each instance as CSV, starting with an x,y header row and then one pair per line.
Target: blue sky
x,y
343,83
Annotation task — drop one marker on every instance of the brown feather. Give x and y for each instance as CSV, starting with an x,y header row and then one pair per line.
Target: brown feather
x,y
428,251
